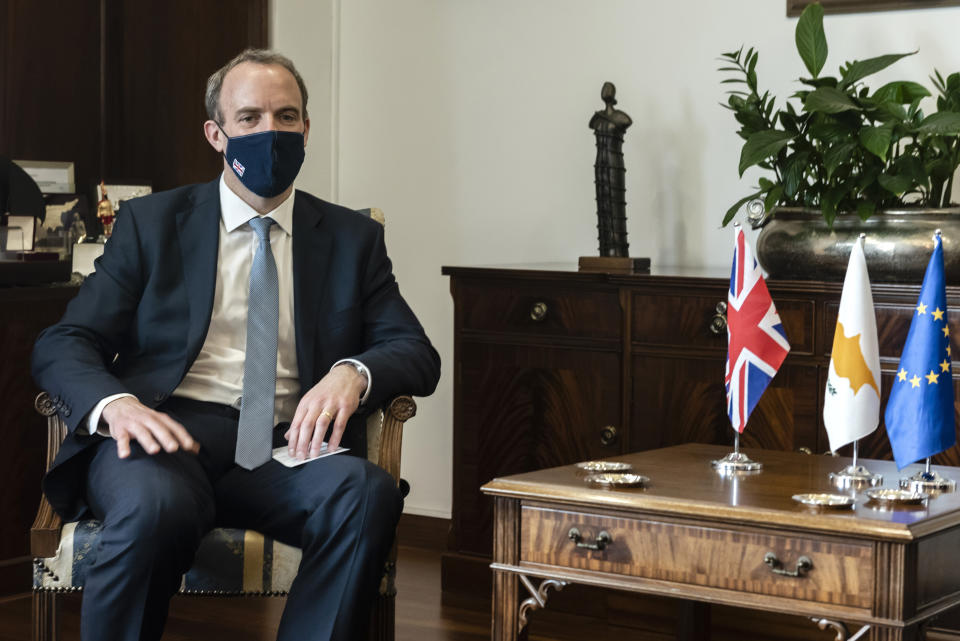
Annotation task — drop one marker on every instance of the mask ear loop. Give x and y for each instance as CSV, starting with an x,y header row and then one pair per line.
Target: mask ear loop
x,y
224,152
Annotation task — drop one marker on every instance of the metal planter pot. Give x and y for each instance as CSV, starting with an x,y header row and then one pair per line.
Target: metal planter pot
x,y
796,244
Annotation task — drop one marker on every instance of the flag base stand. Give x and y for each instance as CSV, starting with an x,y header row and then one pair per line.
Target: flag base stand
x,y
736,461
855,477
928,481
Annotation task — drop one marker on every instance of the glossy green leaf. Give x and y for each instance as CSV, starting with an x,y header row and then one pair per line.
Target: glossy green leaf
x,y
793,172
900,92
829,100
830,131
877,139
829,212
736,207
811,39
773,197
831,198
896,185
942,123
866,209
860,69
762,145
889,110
836,156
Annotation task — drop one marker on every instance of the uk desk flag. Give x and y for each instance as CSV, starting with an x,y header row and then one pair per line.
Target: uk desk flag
x,y
756,342
919,416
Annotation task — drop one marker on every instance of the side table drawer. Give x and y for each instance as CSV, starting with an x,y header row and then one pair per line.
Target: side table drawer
x,y
841,574
593,314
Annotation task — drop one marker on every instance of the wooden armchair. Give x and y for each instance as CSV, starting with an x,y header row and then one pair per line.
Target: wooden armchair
x,y
230,562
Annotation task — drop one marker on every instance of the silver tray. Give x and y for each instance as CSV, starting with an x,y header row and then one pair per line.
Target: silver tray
x,y
604,466
902,497
825,500
616,480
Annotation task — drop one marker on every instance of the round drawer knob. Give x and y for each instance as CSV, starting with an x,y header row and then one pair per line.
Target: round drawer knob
x,y
718,324
539,311
608,435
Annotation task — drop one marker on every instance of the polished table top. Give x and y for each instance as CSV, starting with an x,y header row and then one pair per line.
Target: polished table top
x,y
682,482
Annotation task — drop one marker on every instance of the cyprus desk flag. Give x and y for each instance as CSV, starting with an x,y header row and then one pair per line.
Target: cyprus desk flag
x,y
919,416
851,405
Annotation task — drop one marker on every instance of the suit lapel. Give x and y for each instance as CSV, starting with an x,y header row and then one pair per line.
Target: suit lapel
x,y
199,231
311,264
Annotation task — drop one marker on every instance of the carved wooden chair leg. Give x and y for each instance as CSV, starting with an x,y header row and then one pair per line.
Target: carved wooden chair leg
x,y
382,621
46,620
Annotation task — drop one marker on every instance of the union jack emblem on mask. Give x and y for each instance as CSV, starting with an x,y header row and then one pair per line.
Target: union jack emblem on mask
x,y
756,342
237,167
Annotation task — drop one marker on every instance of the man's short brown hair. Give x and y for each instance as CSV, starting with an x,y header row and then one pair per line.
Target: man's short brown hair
x,y
258,56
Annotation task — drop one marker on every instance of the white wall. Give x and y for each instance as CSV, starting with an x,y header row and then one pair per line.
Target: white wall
x,y
466,121
305,31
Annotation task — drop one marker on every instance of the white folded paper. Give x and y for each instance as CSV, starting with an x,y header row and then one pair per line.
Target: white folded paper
x,y
282,455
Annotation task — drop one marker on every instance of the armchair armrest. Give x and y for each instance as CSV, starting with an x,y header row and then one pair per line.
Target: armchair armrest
x,y
385,436
45,532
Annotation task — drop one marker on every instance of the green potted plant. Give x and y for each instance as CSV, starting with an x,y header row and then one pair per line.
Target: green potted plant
x,y
838,153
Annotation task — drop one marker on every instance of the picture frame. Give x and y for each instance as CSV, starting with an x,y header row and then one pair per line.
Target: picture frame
x,y
17,235
118,193
60,209
795,7
52,177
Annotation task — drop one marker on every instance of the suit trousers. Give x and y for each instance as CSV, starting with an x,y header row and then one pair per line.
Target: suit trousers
x,y
341,510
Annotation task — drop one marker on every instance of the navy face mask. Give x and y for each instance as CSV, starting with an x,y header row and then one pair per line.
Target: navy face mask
x,y
265,162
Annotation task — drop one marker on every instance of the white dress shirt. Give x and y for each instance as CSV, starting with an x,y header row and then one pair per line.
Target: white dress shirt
x,y
217,373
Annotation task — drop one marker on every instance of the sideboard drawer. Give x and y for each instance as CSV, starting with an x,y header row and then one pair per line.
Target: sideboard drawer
x,y
538,310
673,320
841,574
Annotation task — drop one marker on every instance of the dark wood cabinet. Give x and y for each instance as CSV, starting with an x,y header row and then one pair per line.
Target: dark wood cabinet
x,y
24,312
554,366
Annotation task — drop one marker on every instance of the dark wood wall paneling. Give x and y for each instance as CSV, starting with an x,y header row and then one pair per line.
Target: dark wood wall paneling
x,y
50,103
116,87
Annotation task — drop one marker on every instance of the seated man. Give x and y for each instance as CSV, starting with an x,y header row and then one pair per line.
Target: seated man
x,y
241,288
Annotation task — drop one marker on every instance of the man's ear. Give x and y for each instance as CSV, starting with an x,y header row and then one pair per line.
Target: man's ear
x,y
214,136
306,131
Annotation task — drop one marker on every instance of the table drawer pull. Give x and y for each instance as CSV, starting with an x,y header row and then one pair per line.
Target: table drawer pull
x,y
603,539
538,311
804,565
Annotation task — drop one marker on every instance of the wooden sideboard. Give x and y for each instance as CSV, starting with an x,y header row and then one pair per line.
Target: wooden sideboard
x,y
554,366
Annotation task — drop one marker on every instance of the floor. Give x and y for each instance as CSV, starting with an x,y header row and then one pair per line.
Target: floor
x,y
423,616
420,614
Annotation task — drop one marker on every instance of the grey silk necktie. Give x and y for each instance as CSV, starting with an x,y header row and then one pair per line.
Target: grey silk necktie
x,y
255,431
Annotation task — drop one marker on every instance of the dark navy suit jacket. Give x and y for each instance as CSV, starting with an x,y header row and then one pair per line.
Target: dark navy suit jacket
x,y
139,321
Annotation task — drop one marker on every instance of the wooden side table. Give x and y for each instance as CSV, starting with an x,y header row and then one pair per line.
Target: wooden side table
x,y
735,540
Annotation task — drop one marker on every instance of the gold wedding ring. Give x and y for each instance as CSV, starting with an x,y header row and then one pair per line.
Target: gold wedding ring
x,y
327,414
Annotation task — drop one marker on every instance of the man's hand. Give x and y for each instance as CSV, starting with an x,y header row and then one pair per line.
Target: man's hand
x,y
330,402
129,419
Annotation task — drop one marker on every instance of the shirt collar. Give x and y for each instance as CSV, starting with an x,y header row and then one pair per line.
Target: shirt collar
x,y
235,212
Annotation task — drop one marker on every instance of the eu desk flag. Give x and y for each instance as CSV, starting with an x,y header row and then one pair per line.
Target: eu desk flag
x,y
919,414
756,342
